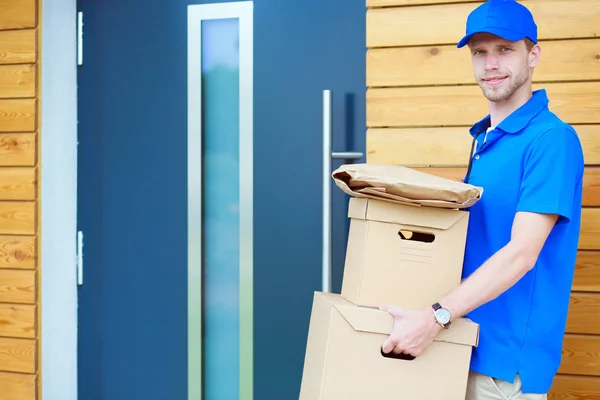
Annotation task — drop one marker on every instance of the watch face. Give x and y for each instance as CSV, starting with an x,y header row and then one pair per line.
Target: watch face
x,y
443,316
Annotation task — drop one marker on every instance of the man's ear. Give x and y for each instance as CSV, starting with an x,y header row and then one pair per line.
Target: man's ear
x,y
534,55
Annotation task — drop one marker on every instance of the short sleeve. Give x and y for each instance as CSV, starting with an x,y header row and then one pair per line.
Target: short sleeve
x,y
553,174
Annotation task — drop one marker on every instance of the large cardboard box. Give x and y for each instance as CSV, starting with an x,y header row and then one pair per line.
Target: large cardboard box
x,y
344,360
401,254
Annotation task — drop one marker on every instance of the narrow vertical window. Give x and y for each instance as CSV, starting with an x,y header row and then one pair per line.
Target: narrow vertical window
x,y
221,220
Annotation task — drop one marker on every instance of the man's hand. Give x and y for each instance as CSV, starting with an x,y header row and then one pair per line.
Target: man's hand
x,y
412,333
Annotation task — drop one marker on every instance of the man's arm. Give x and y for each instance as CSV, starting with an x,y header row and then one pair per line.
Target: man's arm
x,y
543,196
414,331
505,268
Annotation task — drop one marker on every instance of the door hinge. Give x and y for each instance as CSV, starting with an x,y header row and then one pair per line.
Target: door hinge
x,y
79,258
79,38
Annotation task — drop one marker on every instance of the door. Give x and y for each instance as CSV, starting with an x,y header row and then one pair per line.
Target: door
x,y
202,134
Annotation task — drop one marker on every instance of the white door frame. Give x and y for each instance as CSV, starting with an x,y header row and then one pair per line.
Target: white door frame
x,y
58,171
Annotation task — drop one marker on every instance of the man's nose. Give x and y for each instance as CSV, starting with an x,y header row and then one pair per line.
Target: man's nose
x,y
491,62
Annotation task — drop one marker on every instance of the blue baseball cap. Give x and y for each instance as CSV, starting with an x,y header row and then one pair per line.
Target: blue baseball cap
x,y
505,18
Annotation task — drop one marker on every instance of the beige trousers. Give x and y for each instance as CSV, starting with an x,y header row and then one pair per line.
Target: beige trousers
x,y
483,387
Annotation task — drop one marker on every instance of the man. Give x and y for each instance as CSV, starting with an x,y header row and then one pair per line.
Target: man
x,y
523,233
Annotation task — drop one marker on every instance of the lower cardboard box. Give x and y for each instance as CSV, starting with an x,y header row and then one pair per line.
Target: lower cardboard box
x,y
344,361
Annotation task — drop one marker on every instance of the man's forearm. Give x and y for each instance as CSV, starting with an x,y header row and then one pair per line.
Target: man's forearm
x,y
494,277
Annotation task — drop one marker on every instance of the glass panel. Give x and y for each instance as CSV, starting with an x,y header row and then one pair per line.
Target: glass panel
x,y
221,246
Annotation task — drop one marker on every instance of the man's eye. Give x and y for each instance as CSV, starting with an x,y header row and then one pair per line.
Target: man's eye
x,y
505,49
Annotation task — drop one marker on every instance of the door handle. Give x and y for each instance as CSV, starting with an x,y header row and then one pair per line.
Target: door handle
x,y
328,156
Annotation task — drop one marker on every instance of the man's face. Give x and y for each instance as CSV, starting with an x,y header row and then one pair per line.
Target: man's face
x,y
501,67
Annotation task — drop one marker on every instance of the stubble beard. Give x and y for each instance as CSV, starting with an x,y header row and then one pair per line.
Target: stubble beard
x,y
515,82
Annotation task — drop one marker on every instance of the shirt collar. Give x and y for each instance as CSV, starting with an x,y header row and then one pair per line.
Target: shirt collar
x,y
519,119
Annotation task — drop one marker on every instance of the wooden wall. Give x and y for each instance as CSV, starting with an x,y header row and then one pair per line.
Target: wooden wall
x,y
422,98
19,199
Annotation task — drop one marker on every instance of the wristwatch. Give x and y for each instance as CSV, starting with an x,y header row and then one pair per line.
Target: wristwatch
x,y
441,315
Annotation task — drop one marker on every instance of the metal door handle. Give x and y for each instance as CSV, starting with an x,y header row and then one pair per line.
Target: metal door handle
x,y
328,155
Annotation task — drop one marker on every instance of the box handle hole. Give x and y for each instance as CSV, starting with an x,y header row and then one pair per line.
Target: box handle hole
x,y
400,356
415,236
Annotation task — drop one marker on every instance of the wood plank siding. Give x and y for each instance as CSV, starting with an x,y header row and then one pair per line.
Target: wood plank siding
x,y
19,200
422,98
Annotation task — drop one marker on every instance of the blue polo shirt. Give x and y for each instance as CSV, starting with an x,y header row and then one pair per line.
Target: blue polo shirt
x,y
532,161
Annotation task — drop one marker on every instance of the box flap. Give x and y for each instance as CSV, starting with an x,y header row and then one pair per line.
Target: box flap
x,y
333,299
364,319
379,210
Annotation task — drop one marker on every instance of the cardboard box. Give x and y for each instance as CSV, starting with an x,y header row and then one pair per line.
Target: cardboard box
x,y
344,360
401,254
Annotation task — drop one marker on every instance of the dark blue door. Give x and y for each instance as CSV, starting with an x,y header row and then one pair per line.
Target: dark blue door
x,y
137,302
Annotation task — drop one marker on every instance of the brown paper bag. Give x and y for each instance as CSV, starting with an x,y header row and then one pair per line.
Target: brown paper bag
x,y
400,184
